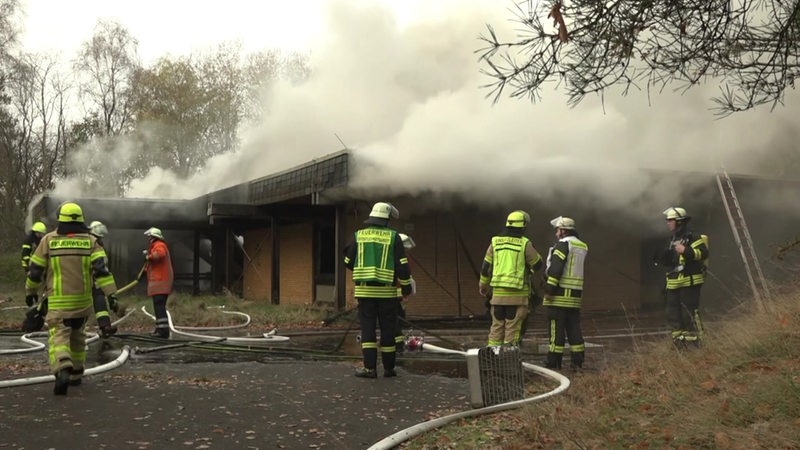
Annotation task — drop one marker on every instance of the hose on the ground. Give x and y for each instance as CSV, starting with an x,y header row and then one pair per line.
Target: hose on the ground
x,y
401,436
120,360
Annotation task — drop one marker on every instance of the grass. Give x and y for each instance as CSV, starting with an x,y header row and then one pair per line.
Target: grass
x,y
200,311
741,390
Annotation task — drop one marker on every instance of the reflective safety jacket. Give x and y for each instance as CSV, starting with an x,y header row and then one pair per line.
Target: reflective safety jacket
x,y
507,269
74,263
565,265
688,268
28,247
379,264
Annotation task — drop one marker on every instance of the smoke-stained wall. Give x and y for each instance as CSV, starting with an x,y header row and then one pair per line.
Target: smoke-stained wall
x,y
451,246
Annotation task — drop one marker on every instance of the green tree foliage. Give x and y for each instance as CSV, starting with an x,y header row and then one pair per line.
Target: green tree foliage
x,y
588,46
105,66
190,109
175,109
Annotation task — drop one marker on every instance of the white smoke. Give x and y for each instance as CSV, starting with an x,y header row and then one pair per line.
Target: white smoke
x,y
406,97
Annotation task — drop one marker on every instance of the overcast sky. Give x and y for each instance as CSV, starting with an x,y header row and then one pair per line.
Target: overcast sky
x,y
180,27
402,88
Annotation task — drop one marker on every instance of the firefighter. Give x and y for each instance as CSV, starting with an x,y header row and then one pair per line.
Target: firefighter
x,y
506,269
160,276
399,339
378,261
684,259
101,306
73,262
563,294
32,239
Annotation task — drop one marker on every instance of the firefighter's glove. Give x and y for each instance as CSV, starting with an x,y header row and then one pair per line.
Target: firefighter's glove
x,y
113,303
146,255
34,320
31,299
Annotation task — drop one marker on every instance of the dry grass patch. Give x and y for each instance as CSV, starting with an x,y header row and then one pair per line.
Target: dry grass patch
x,y
740,390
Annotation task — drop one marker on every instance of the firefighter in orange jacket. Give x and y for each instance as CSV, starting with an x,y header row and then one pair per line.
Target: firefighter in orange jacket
x,y
506,268
73,262
160,277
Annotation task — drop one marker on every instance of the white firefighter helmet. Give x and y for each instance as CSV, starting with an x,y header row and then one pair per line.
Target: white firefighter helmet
x,y
518,219
155,233
676,213
383,210
98,228
408,243
565,223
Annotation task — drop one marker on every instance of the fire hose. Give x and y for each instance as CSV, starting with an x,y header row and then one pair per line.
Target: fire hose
x,y
401,436
132,283
270,336
121,359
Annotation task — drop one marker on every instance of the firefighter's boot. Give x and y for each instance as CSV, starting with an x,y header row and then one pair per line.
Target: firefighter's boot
x,y
108,331
553,361
363,372
75,377
62,382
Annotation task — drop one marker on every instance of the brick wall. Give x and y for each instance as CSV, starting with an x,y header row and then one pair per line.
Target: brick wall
x,y
296,268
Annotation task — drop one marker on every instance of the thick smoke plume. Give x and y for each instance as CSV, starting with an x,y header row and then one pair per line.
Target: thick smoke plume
x,y
406,99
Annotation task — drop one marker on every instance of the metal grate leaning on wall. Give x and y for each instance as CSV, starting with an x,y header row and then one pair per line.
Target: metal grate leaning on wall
x,y
495,375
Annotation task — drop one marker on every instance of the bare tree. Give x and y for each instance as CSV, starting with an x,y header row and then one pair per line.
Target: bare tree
x,y
750,47
39,95
106,63
10,223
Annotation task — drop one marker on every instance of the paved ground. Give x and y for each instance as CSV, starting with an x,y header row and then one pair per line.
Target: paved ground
x,y
252,404
185,399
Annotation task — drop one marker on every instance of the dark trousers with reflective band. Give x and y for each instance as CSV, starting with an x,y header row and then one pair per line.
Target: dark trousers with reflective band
x,y
67,345
683,312
371,313
399,339
564,324
101,309
160,310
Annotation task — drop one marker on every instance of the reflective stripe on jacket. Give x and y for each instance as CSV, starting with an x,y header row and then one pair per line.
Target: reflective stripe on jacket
x,y
379,264
565,273
508,262
691,268
74,263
